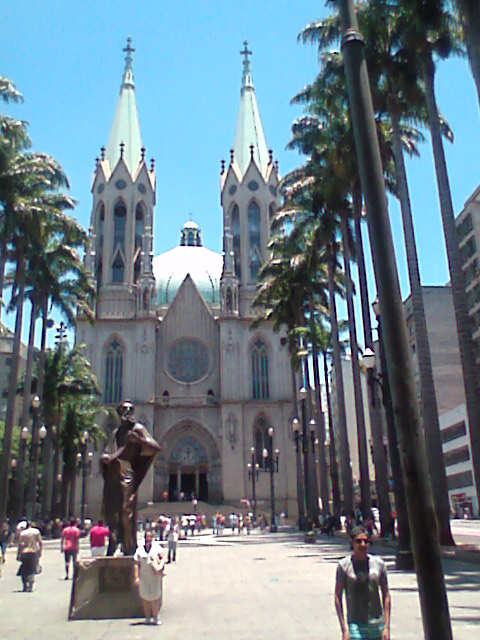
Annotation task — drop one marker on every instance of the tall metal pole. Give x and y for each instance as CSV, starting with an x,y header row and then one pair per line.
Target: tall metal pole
x,y
84,486
19,484
273,526
35,404
254,499
426,548
308,511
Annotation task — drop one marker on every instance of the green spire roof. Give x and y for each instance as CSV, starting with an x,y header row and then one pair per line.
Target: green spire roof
x,y
249,130
125,127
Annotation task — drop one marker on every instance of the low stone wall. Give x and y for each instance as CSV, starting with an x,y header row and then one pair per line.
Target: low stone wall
x,y
104,588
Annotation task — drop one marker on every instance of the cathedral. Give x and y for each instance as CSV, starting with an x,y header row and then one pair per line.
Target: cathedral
x,y
173,331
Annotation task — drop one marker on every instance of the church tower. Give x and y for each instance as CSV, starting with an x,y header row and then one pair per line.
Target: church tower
x,y
248,199
121,224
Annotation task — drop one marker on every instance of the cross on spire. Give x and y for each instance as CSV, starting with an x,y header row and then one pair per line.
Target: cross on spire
x,y
246,53
128,54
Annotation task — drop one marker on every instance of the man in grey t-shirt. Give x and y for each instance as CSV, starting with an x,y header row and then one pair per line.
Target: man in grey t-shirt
x,y
361,576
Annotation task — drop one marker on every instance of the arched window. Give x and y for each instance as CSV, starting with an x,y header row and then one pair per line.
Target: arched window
x,y
229,301
139,226
100,226
236,240
137,268
113,373
260,387
119,221
98,272
118,269
262,441
190,239
254,239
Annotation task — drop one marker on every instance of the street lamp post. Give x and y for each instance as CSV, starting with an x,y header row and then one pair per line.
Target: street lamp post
x,y
303,437
253,468
19,486
84,463
35,404
268,457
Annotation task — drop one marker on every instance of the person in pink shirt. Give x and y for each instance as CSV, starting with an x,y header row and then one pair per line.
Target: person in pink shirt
x,y
98,539
70,544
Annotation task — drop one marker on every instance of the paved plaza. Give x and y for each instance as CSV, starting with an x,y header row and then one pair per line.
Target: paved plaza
x,y
237,587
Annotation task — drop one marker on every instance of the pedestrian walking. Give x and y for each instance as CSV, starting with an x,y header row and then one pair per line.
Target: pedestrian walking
x,y
28,554
99,534
70,544
149,572
362,576
5,536
173,533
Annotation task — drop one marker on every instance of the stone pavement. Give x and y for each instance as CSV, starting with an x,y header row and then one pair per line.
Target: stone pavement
x,y
237,587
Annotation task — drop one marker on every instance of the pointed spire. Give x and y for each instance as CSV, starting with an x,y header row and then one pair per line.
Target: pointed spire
x,y
125,126
249,129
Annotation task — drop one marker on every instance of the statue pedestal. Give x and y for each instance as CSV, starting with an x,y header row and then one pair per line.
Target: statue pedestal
x,y
104,588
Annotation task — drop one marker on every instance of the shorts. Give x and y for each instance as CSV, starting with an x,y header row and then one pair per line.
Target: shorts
x,y
70,554
98,552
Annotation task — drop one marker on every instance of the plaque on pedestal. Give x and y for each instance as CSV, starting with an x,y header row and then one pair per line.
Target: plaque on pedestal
x,y
104,588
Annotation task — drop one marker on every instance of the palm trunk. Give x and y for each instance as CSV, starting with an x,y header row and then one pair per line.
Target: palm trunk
x,y
3,262
428,396
324,492
457,277
347,481
379,455
336,500
12,388
366,504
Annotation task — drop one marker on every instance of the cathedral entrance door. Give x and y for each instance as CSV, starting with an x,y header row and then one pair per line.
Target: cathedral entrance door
x,y
188,484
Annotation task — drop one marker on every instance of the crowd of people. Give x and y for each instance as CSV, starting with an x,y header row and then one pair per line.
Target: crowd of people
x,y
361,577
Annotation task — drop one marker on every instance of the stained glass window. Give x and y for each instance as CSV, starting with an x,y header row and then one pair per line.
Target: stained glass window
x,y
260,385
113,373
188,360
254,239
236,240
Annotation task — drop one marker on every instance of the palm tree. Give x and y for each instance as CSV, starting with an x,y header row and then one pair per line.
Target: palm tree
x,y
430,32
36,197
68,379
396,92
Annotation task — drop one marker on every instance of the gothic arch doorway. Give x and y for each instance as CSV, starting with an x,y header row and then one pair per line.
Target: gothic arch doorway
x,y
188,468
189,465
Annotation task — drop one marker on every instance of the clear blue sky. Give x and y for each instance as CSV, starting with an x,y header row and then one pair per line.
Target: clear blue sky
x,y
67,59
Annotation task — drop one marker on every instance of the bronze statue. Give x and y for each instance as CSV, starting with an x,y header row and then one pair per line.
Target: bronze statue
x,y
123,471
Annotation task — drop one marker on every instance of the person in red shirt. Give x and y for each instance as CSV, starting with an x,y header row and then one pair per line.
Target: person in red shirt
x,y
70,544
99,534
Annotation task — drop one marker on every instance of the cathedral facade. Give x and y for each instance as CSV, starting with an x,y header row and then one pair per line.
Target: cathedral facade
x,y
173,332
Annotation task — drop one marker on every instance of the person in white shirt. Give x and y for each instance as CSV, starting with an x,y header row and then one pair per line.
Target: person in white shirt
x,y
173,533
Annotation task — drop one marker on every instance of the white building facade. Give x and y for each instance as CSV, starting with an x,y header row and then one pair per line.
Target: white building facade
x,y
173,332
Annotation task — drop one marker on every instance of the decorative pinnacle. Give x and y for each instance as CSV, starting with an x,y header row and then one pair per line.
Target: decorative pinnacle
x,y
222,166
128,54
122,149
247,81
245,53
143,153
